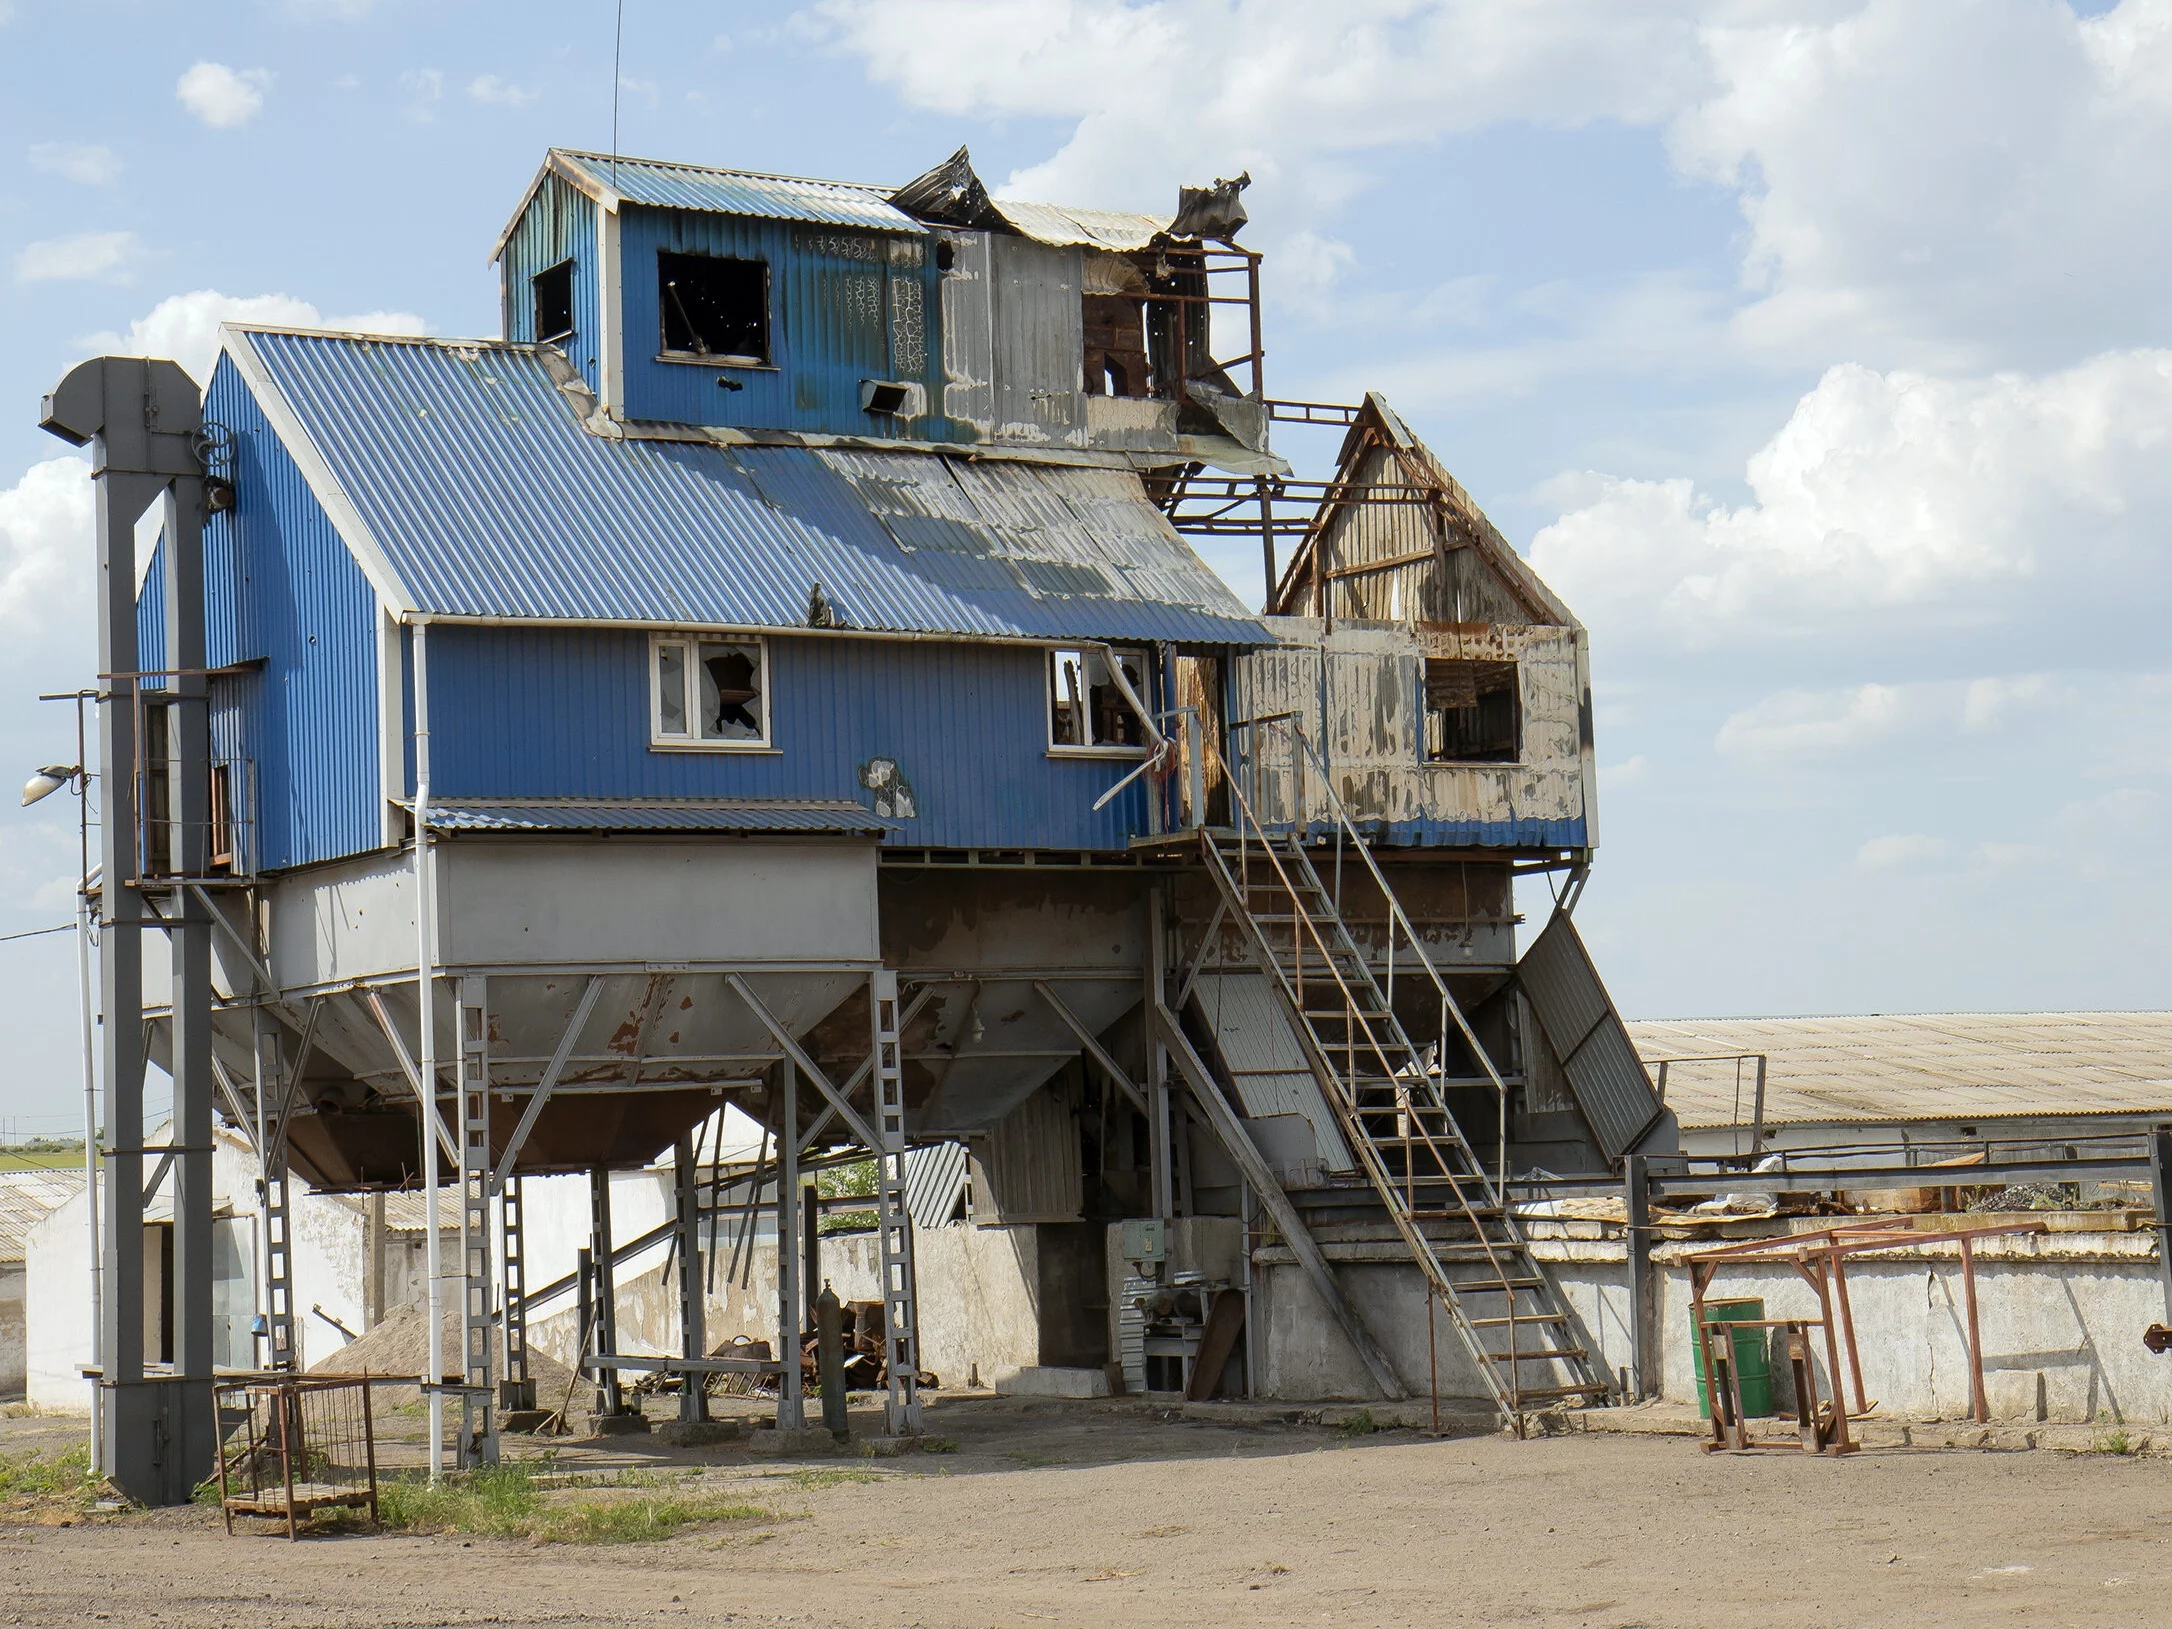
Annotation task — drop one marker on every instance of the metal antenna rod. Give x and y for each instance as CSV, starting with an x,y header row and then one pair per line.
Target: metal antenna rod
x,y
618,46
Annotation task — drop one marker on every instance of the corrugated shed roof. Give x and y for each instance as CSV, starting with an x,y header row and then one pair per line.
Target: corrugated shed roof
x,y
1917,1066
1062,225
27,1197
652,814
732,192
487,498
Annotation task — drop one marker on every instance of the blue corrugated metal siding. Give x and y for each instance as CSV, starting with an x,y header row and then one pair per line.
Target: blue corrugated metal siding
x,y
151,615
677,814
564,713
490,500
835,297
559,224
306,721
740,192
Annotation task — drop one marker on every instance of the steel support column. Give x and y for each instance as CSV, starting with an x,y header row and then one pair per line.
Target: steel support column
x,y
143,421
693,1331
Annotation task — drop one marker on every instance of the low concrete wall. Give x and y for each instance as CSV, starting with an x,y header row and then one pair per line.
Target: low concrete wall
x,y
979,1300
2061,1316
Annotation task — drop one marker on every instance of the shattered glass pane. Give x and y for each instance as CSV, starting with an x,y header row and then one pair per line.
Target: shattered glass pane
x,y
670,689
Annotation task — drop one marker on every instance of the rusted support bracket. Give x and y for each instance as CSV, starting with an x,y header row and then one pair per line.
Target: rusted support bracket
x,y
1094,1049
427,1100
546,1084
793,1050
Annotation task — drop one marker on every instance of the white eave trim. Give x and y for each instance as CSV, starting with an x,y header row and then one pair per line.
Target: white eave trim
x,y
316,473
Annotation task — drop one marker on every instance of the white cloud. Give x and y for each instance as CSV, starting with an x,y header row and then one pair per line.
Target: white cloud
x,y
422,89
91,166
1631,771
82,258
1795,724
1945,183
47,553
185,327
1925,502
495,92
1285,88
220,96
1898,853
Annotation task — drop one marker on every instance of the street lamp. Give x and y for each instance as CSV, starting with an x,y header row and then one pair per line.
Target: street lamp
x,y
47,781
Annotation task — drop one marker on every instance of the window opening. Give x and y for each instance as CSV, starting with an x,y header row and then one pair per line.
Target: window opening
x,y
709,692
714,308
1087,711
553,291
1473,711
222,817
1116,362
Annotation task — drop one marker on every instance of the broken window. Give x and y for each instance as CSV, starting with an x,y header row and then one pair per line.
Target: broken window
x,y
708,692
713,308
1087,709
553,291
1473,711
1116,346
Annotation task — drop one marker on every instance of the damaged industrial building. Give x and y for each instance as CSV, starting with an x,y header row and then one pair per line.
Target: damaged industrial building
x,y
776,675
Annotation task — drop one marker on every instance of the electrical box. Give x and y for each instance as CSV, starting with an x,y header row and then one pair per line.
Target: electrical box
x,y
1145,1239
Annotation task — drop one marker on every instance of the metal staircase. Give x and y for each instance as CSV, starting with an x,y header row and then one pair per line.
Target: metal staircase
x,y
1386,1091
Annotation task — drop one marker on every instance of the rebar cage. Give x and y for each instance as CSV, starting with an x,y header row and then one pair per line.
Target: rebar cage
x,y
290,1447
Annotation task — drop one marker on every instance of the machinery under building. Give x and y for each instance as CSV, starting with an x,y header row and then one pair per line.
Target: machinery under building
x,y
776,673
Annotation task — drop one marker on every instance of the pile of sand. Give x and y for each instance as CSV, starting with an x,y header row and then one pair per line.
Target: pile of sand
x,y
399,1345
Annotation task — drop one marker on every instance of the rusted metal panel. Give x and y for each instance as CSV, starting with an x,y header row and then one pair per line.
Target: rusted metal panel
x,y
1030,1171
1040,337
1357,691
1587,1036
1062,225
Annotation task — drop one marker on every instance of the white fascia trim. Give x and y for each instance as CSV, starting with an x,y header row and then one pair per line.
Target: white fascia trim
x,y
316,473
391,727
610,315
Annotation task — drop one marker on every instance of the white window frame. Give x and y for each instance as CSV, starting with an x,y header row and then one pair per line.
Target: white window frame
x,y
691,643
1064,749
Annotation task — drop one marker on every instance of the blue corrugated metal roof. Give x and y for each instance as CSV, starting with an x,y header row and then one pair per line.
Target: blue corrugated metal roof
x,y
733,192
652,814
489,499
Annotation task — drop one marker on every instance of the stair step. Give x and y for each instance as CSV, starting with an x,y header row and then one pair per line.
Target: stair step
x,y
1587,1388
1537,1357
1494,1286
1520,1318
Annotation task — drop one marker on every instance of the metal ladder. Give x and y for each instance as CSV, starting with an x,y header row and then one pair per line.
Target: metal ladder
x,y
278,1273
513,1231
900,1312
478,1419
1387,1095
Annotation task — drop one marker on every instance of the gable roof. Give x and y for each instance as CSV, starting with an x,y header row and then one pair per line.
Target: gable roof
x,y
1916,1066
1377,427
667,185
465,481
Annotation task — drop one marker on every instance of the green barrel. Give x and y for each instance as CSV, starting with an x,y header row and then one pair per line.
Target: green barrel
x,y
1753,1355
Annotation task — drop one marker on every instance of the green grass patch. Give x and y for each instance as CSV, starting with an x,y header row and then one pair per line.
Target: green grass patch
x,y
505,1501
35,1483
1360,1424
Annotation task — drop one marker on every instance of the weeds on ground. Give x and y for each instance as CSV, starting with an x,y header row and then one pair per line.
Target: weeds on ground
x,y
938,1445
504,1501
832,1477
35,1484
2115,1442
1360,1424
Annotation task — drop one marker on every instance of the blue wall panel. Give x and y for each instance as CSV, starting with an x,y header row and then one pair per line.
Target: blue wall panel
x,y
565,713
844,306
560,225
291,594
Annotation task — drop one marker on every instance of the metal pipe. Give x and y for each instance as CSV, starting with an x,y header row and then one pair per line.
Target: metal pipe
x,y
426,1067
791,1405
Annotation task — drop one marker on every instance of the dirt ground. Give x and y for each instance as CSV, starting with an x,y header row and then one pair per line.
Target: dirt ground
x,y
1055,1514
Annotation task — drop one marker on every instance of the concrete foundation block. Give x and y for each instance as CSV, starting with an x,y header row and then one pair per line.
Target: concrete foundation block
x,y
698,1433
618,1425
806,1439
1047,1382
891,1447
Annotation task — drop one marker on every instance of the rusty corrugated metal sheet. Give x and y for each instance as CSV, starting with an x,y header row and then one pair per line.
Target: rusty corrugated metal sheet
x,y
1586,1034
1065,225
733,192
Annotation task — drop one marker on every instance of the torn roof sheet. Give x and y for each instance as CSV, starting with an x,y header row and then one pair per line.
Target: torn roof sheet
x,y
478,494
1090,228
730,192
1916,1066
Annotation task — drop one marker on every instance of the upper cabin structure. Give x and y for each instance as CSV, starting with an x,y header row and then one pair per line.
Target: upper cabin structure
x,y
794,617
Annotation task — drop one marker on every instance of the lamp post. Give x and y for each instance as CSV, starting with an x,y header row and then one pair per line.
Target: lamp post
x,y
40,786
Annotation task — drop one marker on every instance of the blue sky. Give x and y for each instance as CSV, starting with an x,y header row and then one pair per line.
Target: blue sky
x,y
1819,351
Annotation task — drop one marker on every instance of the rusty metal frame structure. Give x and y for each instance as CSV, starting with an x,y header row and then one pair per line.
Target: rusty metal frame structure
x,y
1820,1258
